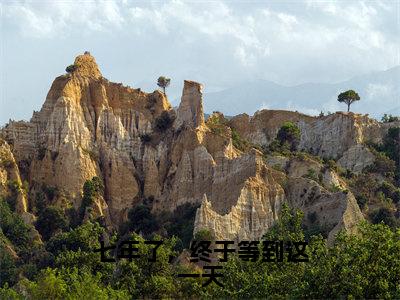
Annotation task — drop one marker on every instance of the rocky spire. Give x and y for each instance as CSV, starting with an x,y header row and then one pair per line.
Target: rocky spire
x,y
190,111
87,66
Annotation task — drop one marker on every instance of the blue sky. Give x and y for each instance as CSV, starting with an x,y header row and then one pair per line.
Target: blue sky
x,y
218,43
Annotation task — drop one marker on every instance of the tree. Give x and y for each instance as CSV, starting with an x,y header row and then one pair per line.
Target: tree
x,y
389,118
163,82
142,220
289,133
348,97
50,220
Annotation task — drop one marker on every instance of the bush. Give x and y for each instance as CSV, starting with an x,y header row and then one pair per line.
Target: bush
x,y
91,188
142,220
163,122
385,216
50,220
382,165
389,118
84,237
50,191
390,191
15,189
181,223
289,133
362,200
238,142
204,235
13,227
71,68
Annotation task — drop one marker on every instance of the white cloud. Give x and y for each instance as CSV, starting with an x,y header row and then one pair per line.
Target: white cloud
x,y
48,19
222,43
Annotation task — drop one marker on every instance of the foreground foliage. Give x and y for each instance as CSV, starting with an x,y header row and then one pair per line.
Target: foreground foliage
x,y
366,265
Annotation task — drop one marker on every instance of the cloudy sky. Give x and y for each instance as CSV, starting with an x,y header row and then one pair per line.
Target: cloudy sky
x,y
218,43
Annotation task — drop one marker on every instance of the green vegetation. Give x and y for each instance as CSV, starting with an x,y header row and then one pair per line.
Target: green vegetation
x,y
178,223
389,118
204,235
217,123
50,220
13,227
71,68
164,121
163,82
15,189
289,134
239,142
141,220
387,155
286,142
355,266
91,189
386,216
348,97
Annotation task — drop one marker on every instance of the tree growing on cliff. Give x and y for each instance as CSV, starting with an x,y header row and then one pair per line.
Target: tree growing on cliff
x,y
163,82
289,134
348,97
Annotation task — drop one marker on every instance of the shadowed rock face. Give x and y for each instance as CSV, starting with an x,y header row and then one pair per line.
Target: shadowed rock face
x,y
141,149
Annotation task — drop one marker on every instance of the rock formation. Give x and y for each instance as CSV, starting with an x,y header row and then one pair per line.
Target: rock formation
x,y
190,111
142,149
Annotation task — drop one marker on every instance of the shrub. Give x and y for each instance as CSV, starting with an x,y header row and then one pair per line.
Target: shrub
x,y
332,165
384,215
50,220
390,191
15,188
389,118
163,122
181,223
204,235
50,191
382,165
40,201
142,220
91,188
13,227
238,142
71,68
362,200
289,133
217,123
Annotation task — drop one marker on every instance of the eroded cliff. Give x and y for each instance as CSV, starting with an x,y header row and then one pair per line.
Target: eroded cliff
x,y
143,150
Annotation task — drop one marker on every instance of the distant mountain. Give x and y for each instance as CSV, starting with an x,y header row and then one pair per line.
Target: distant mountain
x,y
379,92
